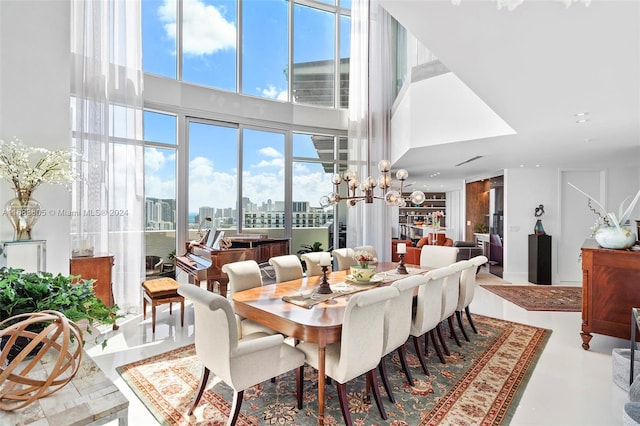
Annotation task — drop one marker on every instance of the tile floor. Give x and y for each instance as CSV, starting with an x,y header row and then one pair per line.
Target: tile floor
x,y
569,386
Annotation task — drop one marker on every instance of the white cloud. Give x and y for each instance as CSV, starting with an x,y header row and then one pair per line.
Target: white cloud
x,y
205,29
273,92
153,160
276,162
270,152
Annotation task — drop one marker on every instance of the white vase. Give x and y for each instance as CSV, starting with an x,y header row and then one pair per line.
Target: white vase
x,y
609,237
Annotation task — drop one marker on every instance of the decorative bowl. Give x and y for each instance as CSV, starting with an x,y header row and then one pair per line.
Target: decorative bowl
x,y
362,274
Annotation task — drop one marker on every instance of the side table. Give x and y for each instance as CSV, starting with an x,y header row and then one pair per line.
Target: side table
x,y
635,324
90,398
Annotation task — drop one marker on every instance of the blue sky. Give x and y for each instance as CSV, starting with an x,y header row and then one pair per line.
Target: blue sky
x,y
209,48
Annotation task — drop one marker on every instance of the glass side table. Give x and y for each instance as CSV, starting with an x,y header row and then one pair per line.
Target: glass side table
x,y
635,324
30,255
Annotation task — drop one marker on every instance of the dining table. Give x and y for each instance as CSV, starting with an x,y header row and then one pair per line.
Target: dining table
x,y
294,309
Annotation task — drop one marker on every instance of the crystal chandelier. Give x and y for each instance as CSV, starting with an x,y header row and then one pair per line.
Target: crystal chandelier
x,y
367,186
512,4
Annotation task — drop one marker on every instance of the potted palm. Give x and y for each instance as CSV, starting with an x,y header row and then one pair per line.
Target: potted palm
x,y
25,292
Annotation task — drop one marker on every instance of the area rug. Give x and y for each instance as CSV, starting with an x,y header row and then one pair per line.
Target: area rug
x,y
540,298
481,383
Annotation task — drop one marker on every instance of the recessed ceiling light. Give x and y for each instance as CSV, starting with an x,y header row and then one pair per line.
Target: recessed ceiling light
x,y
581,114
587,140
582,120
537,165
521,165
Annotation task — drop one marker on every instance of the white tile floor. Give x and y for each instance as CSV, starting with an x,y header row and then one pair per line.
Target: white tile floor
x,y
569,386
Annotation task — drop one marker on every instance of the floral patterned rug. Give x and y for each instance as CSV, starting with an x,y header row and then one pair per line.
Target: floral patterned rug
x,y
540,298
481,383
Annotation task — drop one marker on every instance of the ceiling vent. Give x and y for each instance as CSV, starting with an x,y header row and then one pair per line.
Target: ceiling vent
x,y
470,160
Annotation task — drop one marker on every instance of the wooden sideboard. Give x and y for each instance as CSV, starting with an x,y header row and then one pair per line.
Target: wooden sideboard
x,y
262,249
610,288
97,268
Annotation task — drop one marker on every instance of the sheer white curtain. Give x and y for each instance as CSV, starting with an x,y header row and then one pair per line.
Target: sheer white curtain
x,y
107,110
370,80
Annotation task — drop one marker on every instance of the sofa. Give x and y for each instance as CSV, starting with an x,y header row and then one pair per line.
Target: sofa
x,y
467,250
413,253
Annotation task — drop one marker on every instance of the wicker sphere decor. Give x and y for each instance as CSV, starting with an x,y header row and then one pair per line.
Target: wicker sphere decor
x,y
60,341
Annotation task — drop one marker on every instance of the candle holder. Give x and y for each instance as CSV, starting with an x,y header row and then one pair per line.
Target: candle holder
x,y
401,269
324,284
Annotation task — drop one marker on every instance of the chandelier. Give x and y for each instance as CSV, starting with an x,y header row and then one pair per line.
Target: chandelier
x,y
367,186
512,4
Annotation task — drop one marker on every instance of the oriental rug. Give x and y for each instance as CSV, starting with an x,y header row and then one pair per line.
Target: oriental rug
x,y
540,298
481,383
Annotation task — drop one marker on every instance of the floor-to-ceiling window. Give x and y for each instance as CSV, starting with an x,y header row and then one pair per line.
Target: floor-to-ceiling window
x,y
213,176
263,170
160,188
244,166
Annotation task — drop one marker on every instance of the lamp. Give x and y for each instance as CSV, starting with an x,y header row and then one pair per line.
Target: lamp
x,y
367,186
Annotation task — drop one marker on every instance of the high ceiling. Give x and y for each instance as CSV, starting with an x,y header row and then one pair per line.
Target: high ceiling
x,y
537,67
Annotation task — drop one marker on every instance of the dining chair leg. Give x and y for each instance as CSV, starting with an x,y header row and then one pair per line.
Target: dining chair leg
x,y
376,393
442,342
382,368
416,344
436,347
235,408
344,403
203,384
299,385
473,327
453,331
464,332
402,354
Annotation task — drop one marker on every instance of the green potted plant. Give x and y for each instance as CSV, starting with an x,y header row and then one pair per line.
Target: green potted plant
x,y
25,292
481,228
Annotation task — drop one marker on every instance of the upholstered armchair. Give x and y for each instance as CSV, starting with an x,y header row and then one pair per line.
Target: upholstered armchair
x,y
312,262
287,267
344,258
360,347
240,363
244,275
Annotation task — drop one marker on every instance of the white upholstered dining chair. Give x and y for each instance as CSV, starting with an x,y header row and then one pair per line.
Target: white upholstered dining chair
x,y
344,257
397,326
438,256
360,346
427,315
240,363
287,267
450,292
468,286
244,275
312,261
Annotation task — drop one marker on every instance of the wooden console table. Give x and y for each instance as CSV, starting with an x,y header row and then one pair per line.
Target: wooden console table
x,y
610,289
90,398
95,268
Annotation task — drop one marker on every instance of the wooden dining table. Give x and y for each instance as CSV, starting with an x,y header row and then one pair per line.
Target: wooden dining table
x,y
320,324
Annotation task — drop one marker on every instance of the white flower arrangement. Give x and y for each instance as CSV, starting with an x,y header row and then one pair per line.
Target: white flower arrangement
x,y
610,218
17,168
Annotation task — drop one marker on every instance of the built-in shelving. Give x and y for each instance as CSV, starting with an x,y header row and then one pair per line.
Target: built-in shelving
x,y
434,202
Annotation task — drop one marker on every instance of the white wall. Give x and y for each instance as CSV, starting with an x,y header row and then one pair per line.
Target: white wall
x,y
526,188
34,105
